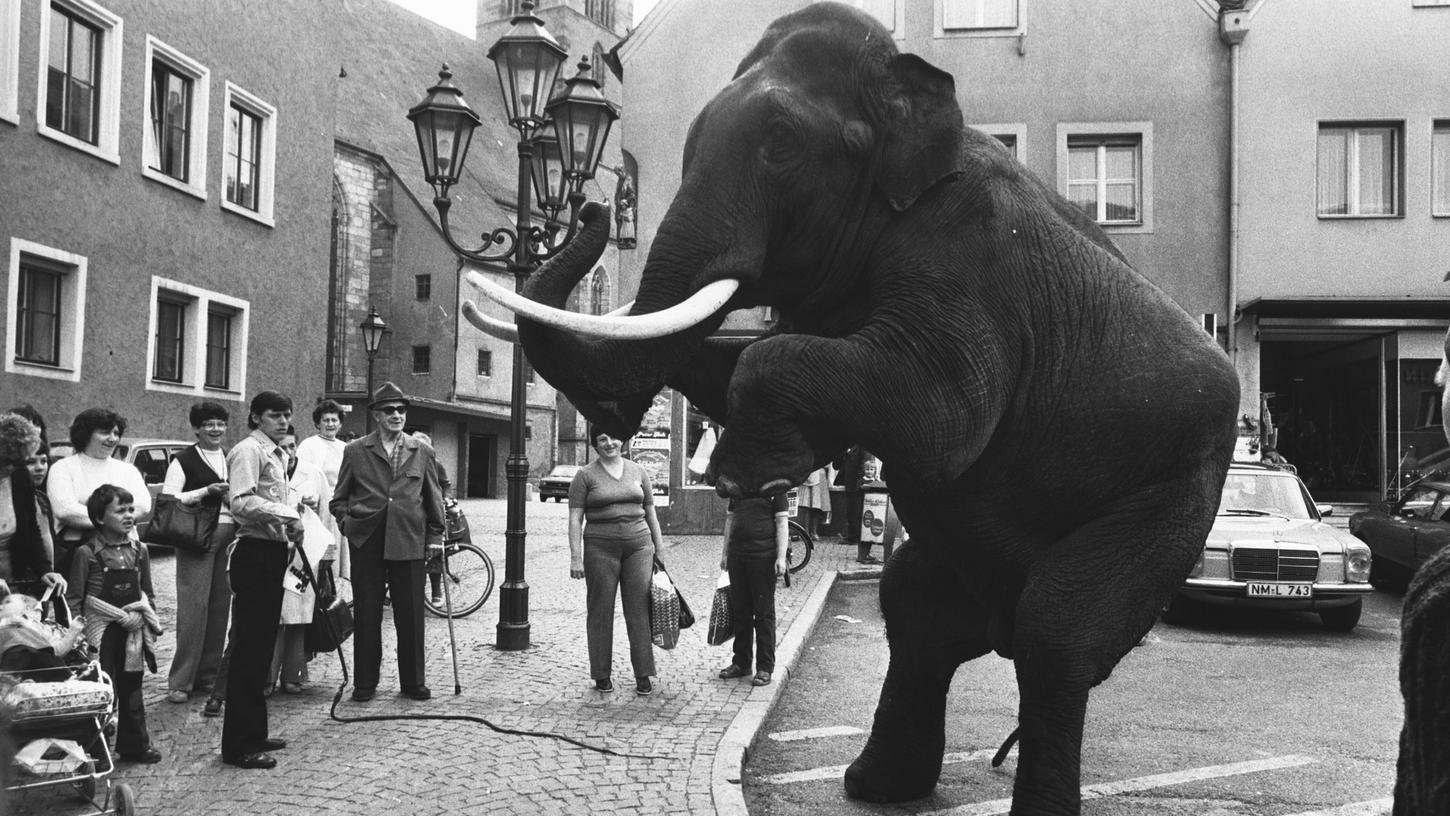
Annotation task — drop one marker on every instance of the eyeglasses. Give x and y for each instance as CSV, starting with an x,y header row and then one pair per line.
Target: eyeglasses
x,y
394,409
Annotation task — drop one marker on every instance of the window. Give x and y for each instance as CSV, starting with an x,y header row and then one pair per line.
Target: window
x,y
1440,169
80,83
219,347
170,339
247,169
991,16
485,363
1013,137
423,287
1359,170
178,97
198,340
45,311
1107,170
10,61
600,11
422,359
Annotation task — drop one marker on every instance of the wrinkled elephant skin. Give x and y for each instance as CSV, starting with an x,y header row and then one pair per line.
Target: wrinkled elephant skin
x,y
1055,430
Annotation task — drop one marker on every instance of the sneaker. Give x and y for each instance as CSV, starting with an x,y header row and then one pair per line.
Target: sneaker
x,y
213,707
733,671
604,685
178,696
643,687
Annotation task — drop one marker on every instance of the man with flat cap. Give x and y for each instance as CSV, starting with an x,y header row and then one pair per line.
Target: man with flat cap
x,y
389,507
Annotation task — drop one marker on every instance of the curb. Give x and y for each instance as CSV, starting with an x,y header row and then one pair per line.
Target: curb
x,y
734,746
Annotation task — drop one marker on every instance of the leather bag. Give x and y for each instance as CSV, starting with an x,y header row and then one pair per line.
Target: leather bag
x,y
183,526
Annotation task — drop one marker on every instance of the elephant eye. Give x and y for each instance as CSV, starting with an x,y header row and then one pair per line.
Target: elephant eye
x,y
780,143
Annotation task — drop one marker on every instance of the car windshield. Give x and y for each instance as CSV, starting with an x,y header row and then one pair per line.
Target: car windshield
x,y
1263,494
564,471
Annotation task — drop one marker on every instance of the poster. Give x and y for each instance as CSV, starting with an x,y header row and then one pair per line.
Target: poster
x,y
651,449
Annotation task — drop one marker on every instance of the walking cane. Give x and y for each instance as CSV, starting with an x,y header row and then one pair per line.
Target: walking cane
x,y
445,578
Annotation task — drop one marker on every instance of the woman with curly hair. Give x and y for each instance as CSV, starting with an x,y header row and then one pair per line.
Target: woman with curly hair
x,y
22,547
94,433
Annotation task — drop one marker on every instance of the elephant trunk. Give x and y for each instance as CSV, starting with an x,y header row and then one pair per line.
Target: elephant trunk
x,y
611,381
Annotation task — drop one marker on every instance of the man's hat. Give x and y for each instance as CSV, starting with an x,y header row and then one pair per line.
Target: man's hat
x,y
386,393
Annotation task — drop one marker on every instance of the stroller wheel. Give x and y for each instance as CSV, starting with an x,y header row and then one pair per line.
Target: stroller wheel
x,y
122,801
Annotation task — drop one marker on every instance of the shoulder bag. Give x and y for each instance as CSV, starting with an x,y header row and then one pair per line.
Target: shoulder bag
x,y
183,526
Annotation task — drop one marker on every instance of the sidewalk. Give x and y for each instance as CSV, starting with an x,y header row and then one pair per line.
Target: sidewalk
x,y
698,725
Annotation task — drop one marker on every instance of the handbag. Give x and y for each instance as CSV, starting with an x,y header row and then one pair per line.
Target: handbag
x,y
721,628
687,617
664,608
183,526
331,626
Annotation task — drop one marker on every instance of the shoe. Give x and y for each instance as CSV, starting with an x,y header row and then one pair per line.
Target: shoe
x,y
150,756
762,678
292,688
418,692
733,671
643,687
273,744
178,696
868,559
604,685
362,695
259,761
213,707
437,599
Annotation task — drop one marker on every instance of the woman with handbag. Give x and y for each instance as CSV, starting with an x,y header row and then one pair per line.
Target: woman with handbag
x,y
197,478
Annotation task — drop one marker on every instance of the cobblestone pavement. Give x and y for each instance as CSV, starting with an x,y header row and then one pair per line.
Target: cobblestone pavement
x,y
458,767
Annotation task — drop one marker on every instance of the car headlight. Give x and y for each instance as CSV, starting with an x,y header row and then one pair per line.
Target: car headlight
x,y
1356,564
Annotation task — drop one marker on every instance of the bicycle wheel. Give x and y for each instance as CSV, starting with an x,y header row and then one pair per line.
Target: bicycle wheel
x,y
470,582
798,551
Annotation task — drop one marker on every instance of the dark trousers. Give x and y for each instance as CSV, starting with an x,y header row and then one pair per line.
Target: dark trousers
x,y
132,738
256,579
372,575
752,609
855,506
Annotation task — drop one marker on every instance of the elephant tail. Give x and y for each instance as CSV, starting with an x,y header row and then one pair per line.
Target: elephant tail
x,y
1006,748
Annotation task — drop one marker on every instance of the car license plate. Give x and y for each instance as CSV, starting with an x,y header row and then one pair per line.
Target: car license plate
x,y
1261,590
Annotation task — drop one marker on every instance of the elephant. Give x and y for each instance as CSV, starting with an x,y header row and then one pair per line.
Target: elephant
x,y
1054,429
1422,778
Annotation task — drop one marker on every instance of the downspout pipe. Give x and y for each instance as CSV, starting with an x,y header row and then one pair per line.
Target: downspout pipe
x,y
1233,27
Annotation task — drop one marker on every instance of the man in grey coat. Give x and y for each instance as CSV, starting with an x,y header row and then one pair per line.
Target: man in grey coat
x,y
390,507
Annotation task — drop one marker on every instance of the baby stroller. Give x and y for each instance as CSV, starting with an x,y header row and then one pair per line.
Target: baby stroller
x,y
57,706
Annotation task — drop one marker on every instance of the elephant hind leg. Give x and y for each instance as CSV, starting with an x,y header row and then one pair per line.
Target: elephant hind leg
x,y
932,628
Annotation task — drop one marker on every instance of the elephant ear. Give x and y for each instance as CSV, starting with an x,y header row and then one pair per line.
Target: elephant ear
x,y
923,130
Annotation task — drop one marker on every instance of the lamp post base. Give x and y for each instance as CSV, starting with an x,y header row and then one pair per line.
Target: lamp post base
x,y
513,618
512,637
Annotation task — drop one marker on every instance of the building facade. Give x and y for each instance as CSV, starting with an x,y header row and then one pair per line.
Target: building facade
x,y
1205,139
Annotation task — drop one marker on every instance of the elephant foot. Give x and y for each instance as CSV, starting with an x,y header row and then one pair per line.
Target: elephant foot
x,y
871,778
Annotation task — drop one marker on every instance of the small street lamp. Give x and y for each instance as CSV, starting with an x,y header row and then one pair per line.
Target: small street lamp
x,y
561,139
373,328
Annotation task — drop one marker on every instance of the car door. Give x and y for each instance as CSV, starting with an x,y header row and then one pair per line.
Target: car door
x,y
1432,533
1393,538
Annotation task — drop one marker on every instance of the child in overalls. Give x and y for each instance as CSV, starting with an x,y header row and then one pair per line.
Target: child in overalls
x,y
111,587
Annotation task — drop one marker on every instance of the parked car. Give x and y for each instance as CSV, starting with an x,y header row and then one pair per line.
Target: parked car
x,y
1270,549
556,485
1404,533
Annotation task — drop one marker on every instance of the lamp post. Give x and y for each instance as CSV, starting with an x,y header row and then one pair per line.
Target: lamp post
x,y
373,328
560,142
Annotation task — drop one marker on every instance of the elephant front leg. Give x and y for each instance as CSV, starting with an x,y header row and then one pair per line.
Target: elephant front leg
x,y
931,628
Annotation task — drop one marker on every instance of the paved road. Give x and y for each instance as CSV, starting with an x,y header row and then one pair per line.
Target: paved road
x,y
1235,715
422,767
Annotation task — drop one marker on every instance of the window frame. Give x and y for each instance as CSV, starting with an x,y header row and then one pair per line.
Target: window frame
x,y
10,61
108,86
238,98
197,119
1018,132
941,30
176,337
73,306
1352,166
1143,131
426,359
199,304
423,287
1440,168
483,363
230,315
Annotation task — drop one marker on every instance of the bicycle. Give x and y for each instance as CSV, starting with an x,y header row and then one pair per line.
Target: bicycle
x,y
470,573
800,547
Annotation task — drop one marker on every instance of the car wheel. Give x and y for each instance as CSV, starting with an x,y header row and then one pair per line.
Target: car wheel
x,y
1342,618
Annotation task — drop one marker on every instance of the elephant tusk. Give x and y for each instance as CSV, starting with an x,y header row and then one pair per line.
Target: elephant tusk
x,y
614,326
490,325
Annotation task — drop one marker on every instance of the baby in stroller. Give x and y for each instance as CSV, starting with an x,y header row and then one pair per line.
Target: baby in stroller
x,y
110,583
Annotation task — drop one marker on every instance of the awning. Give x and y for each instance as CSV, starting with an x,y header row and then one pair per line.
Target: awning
x,y
1436,310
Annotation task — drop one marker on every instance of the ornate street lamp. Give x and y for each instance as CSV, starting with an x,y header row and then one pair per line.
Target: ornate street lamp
x,y
528,60
373,328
